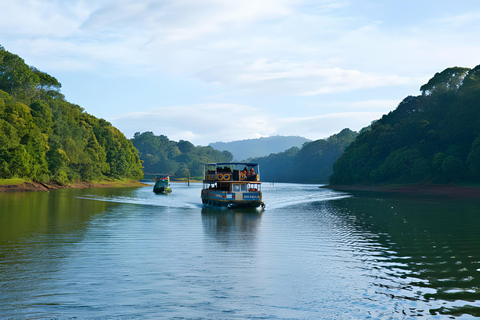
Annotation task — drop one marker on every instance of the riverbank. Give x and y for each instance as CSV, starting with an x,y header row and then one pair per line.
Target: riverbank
x,y
22,186
451,191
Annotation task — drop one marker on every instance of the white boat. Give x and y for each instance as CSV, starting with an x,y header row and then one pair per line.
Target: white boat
x,y
232,185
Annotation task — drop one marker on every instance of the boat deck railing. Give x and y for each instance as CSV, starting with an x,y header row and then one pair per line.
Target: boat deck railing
x,y
230,176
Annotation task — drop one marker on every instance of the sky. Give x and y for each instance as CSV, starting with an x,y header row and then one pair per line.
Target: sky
x,y
222,70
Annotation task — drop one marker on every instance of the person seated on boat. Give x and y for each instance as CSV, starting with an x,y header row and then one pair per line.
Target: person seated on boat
x,y
251,172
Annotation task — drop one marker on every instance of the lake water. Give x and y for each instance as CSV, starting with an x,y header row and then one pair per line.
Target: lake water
x,y
312,254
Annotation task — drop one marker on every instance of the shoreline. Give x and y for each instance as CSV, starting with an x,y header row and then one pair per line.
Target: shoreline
x,y
450,191
28,186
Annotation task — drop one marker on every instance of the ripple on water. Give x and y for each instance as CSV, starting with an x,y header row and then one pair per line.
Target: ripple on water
x,y
134,254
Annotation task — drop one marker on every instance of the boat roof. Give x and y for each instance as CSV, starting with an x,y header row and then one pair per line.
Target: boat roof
x,y
250,164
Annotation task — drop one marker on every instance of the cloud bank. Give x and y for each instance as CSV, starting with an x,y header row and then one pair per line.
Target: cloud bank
x,y
299,65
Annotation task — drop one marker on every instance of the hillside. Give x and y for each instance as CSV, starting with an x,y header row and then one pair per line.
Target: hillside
x,y
311,163
44,138
251,148
161,155
430,138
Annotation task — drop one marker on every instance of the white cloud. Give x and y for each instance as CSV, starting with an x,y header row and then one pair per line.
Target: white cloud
x,y
205,123
292,46
40,18
322,126
379,105
182,20
298,78
468,19
248,56
200,124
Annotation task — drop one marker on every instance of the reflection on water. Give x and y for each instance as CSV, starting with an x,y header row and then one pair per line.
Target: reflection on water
x,y
313,253
430,249
225,225
26,212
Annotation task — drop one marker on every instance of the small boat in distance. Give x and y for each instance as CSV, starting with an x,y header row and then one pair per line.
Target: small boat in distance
x,y
232,185
162,184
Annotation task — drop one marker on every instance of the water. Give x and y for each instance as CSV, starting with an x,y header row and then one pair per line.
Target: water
x,y
312,254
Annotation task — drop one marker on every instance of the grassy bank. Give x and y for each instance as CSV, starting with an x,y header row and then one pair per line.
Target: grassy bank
x,y
11,181
16,185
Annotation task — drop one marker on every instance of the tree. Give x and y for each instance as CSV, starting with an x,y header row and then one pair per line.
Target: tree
x,y
428,138
161,155
473,160
311,163
43,137
448,79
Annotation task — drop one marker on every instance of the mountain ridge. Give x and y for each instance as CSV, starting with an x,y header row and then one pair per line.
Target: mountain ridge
x,y
259,147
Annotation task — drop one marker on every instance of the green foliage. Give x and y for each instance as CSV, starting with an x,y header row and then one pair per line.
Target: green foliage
x,y
448,79
161,155
43,137
432,138
311,163
473,160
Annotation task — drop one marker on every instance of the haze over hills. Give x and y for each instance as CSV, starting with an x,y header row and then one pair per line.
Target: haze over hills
x,y
312,163
254,148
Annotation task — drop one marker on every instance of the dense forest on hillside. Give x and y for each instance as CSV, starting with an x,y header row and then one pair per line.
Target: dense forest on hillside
x,y
430,138
311,163
253,148
164,156
45,138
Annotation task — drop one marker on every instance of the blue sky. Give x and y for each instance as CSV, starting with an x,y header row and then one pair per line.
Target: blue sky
x,y
219,70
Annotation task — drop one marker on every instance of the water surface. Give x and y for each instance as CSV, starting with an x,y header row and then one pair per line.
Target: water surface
x,y
312,254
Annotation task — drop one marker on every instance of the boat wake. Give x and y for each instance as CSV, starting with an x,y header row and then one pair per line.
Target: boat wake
x,y
301,199
275,197
143,201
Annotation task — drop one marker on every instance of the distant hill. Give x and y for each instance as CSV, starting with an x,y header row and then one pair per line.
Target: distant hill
x,y
430,138
253,148
179,159
312,163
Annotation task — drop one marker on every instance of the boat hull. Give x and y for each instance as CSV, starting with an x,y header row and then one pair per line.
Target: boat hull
x,y
232,204
162,190
162,186
228,200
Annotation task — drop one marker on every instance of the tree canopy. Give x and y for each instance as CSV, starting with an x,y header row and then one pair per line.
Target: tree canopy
x,y
45,138
161,155
311,163
431,138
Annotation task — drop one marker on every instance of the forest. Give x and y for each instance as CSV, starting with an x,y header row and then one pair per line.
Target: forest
x,y
181,159
45,138
312,163
430,138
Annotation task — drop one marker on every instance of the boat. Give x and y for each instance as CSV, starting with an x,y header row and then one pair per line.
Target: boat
x,y
162,184
232,185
